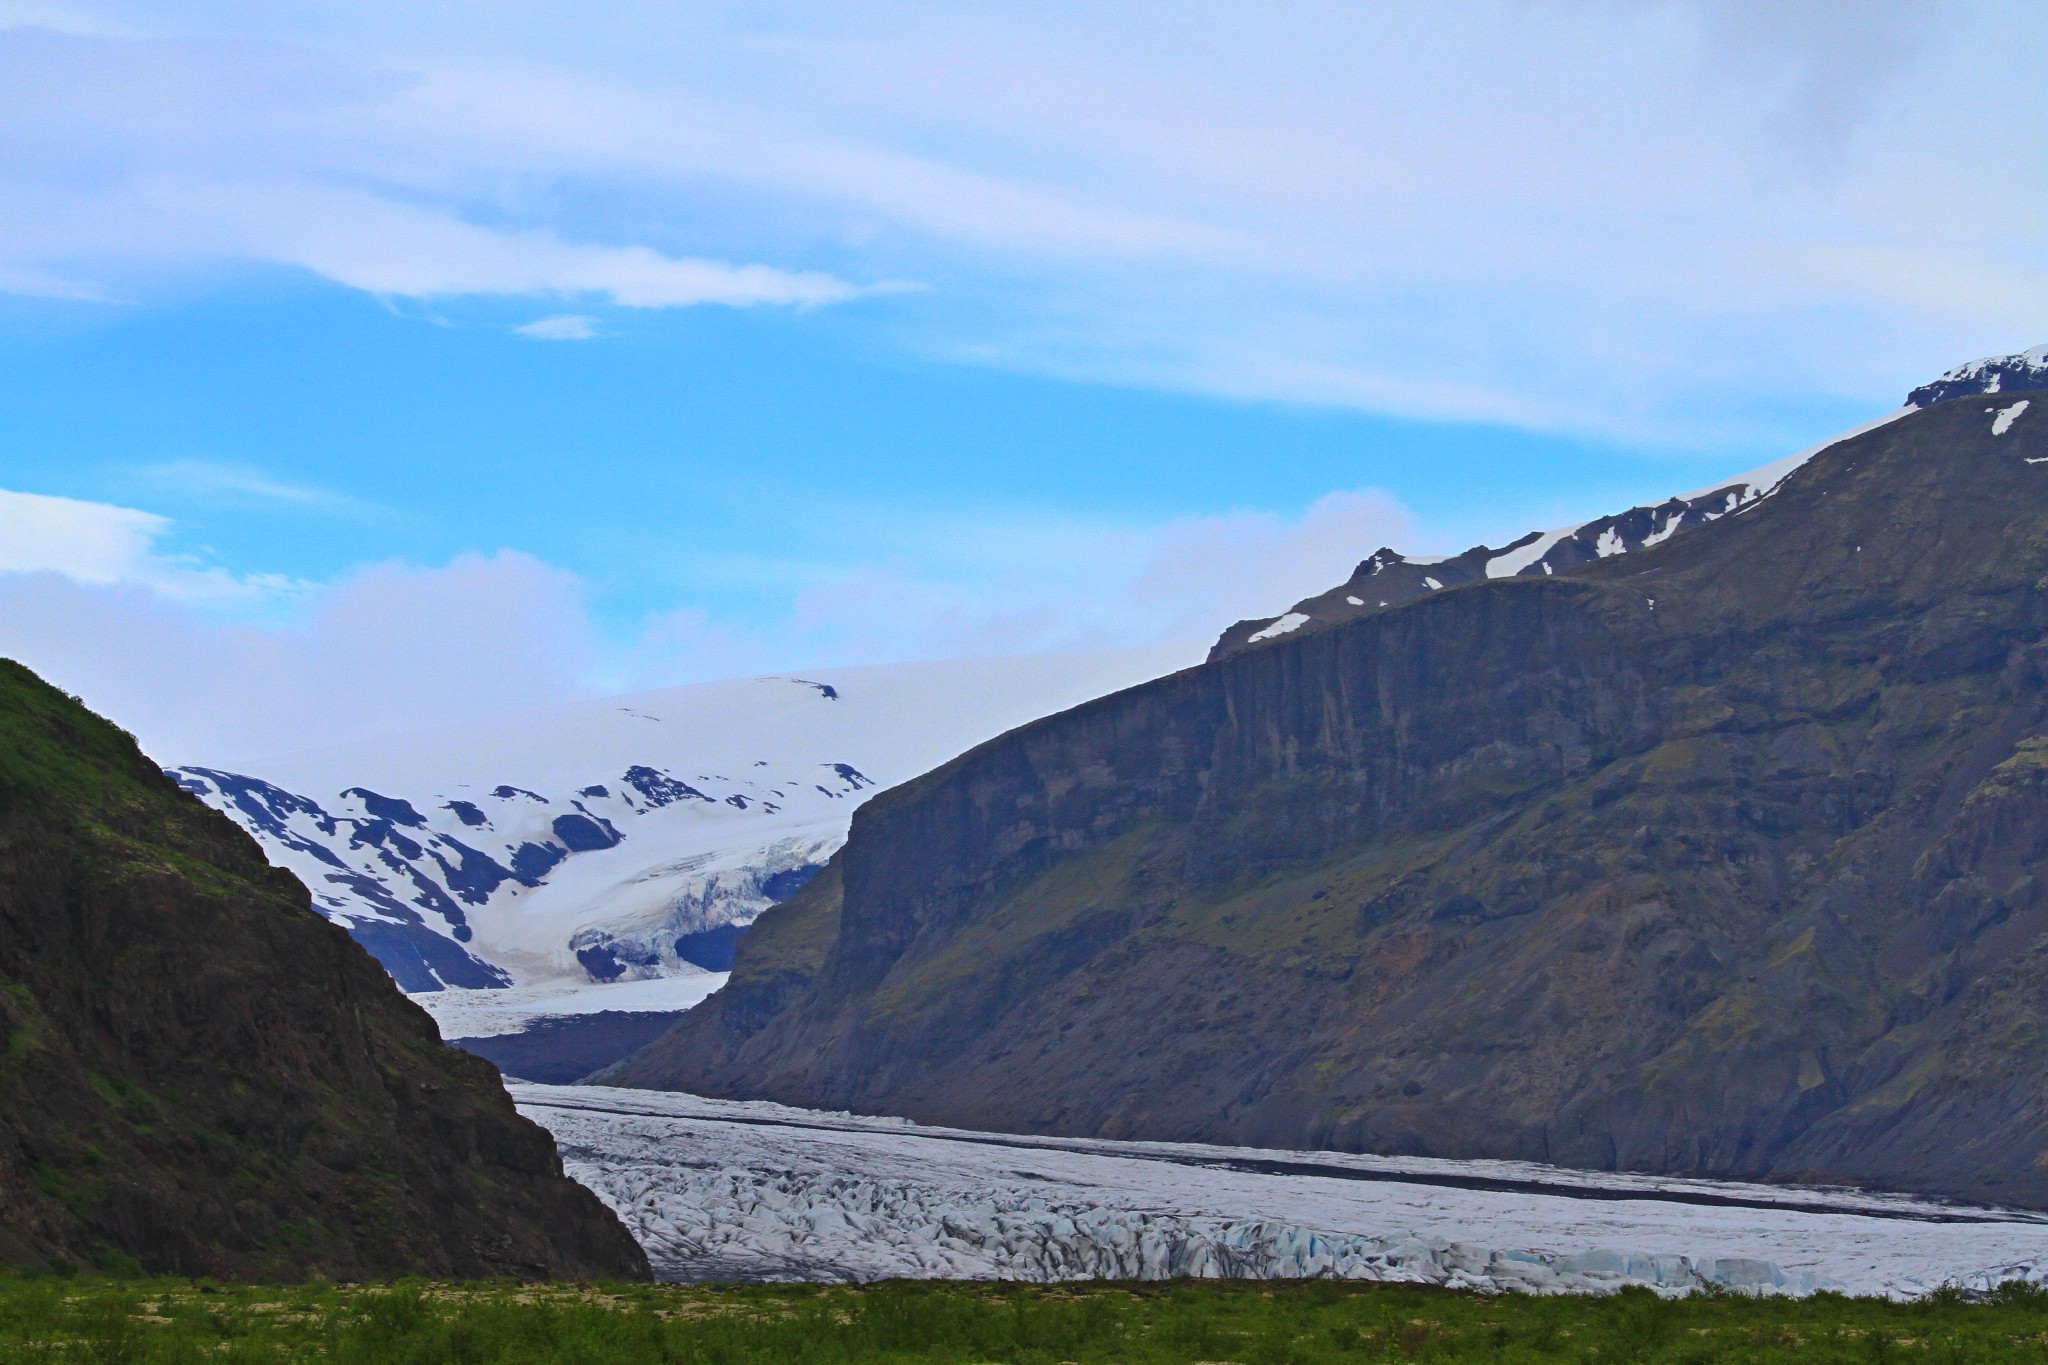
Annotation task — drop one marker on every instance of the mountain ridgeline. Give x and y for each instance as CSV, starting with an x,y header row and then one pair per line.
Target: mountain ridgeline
x,y
1388,578
199,1075
1724,856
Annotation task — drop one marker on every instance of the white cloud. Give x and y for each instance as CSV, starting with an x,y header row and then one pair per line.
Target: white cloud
x,y
99,543
374,244
87,601
365,241
561,327
967,586
93,542
386,650
1642,219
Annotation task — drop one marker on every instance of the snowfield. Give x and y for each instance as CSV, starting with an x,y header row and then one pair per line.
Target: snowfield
x,y
626,838
718,1189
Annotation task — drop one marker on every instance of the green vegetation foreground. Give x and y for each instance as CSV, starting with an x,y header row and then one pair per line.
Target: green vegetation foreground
x,y
59,1319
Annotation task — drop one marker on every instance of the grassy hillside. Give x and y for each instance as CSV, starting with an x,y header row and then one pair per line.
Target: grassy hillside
x,y
198,1074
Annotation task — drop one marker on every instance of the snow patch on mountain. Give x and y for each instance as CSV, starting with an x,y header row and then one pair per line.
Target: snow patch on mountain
x,y
1389,578
624,839
1993,374
1291,621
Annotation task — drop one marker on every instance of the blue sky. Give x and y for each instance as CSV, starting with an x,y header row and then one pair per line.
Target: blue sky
x,y
367,364
709,455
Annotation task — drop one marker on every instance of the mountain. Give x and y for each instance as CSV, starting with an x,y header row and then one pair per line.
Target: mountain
x,y
200,1076
1388,578
621,839
2019,372
1725,856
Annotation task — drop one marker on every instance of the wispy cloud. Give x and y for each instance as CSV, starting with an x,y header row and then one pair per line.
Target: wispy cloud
x,y
561,327
246,486
1643,220
94,542
365,241
372,243
1637,219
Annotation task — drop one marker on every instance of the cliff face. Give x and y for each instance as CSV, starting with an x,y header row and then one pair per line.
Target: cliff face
x,y
1725,856
200,1075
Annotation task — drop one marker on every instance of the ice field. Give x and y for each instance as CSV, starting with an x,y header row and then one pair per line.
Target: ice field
x,y
719,1189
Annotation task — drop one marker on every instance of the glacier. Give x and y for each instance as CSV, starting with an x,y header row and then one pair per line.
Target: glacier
x,y
622,839
749,1190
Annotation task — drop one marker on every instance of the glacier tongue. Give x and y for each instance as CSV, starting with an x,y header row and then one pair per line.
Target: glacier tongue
x,y
742,1190
752,1224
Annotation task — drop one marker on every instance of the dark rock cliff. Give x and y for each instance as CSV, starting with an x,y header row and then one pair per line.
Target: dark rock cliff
x,y
198,1075
1726,856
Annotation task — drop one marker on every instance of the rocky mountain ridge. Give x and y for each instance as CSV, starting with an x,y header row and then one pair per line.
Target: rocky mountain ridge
x,y
1722,857
2018,372
1388,578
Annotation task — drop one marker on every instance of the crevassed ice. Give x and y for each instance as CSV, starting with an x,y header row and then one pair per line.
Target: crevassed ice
x,y
735,1189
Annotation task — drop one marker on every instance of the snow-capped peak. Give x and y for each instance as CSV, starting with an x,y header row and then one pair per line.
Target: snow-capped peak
x,y
1388,578
628,838
1993,374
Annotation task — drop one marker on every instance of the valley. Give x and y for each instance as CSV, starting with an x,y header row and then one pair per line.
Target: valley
x,y
1717,857
1238,684
1649,905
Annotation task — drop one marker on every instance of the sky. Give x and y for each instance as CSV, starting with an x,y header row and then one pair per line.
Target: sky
x,y
365,366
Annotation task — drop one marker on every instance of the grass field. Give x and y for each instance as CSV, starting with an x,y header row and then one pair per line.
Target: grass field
x,y
102,1321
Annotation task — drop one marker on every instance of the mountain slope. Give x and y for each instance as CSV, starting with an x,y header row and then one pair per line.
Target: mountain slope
x,y
1388,578
627,838
1724,856
201,1076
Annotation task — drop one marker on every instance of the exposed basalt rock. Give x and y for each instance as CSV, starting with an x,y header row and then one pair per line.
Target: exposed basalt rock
x,y
1725,856
199,1075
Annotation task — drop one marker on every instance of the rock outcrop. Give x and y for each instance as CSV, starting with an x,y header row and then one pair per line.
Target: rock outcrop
x,y
199,1075
1725,856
